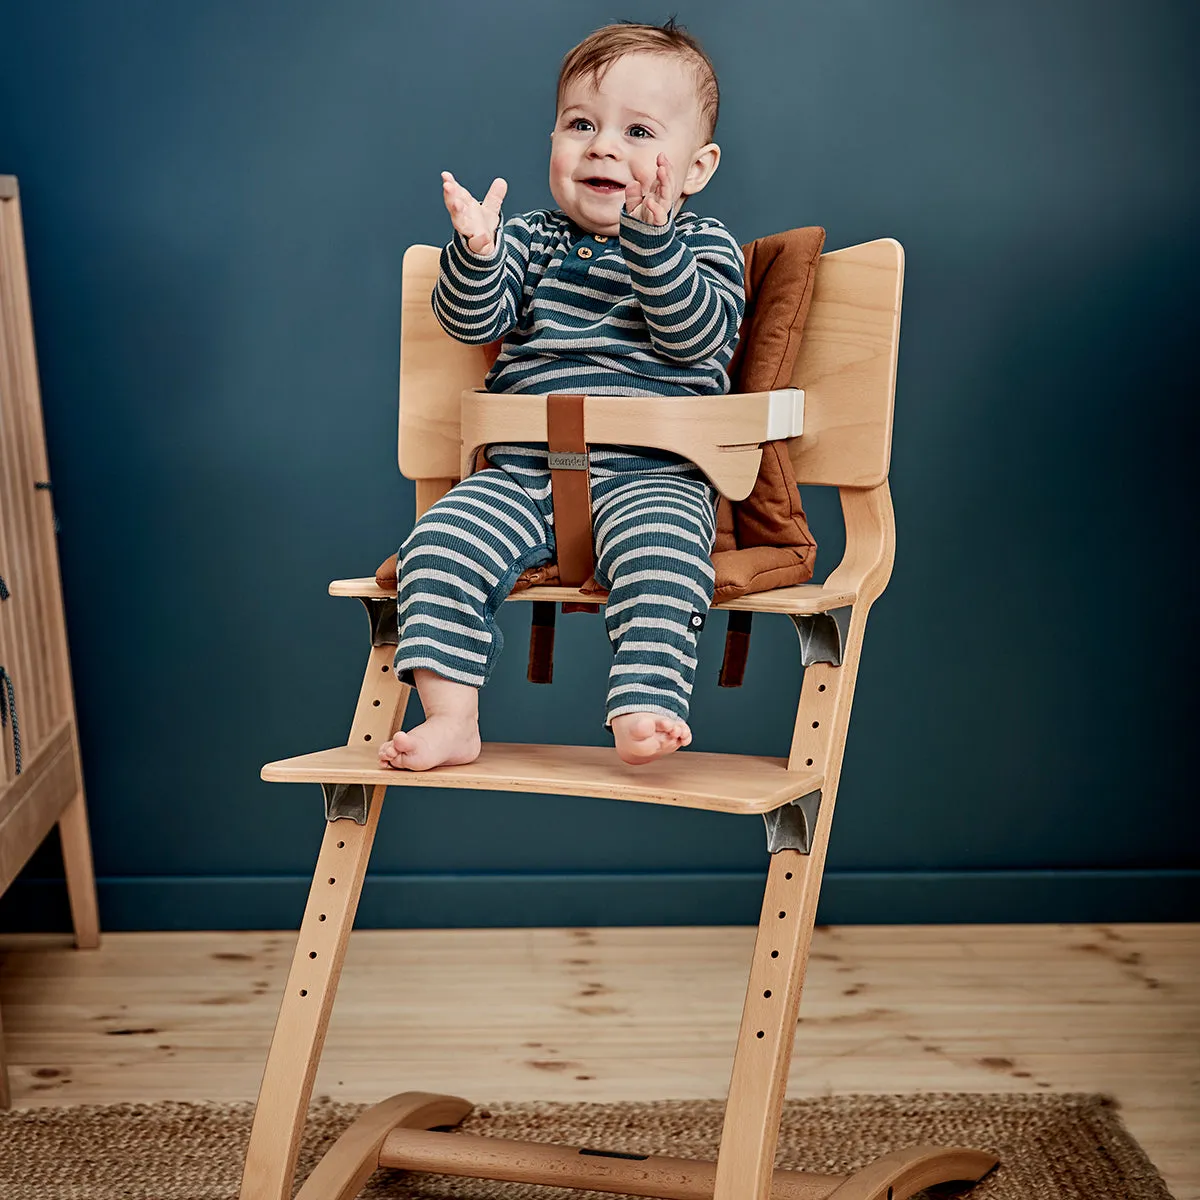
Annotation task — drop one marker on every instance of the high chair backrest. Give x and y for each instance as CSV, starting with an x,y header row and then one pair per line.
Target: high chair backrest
x,y
846,366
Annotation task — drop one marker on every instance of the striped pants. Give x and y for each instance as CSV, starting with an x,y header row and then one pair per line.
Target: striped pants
x,y
654,522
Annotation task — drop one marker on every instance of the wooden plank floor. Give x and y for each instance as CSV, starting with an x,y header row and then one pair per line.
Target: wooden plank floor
x,y
610,1014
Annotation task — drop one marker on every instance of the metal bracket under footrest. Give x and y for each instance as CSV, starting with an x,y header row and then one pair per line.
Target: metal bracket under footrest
x,y
791,826
346,801
385,625
823,635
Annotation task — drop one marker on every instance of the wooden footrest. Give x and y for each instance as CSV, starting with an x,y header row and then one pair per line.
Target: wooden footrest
x,y
737,783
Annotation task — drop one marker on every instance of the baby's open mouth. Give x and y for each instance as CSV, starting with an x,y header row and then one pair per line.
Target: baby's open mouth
x,y
604,185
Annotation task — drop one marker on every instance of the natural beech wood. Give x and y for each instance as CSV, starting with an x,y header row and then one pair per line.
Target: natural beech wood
x,y
722,435
768,1027
847,367
430,491
354,1157
735,783
794,880
512,1161
803,598
33,636
317,961
434,372
903,1173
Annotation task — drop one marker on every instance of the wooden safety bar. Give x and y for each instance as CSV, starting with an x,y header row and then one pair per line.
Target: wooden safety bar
x,y
722,435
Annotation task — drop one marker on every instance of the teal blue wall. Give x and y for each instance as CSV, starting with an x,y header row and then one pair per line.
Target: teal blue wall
x,y
217,197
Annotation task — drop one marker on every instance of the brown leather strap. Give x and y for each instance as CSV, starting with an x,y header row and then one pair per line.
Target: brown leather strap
x,y
737,649
570,489
541,643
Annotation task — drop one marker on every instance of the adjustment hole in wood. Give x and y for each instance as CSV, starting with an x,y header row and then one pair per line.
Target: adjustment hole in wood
x,y
321,917
789,874
767,994
366,737
808,762
820,687
816,724
761,1034
774,953
374,703
304,991
782,915
340,846
385,668
332,880
312,954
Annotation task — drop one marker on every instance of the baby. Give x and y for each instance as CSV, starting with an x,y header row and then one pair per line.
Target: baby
x,y
617,293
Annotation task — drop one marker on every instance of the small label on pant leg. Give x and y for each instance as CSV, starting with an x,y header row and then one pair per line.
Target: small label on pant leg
x,y
696,622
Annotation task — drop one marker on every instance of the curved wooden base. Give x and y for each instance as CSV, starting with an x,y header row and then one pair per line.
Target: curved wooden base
x,y
399,1133
354,1157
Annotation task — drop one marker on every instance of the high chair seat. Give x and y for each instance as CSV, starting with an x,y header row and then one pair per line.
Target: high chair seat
x,y
798,600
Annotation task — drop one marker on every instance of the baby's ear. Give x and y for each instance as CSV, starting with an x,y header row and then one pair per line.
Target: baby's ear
x,y
703,167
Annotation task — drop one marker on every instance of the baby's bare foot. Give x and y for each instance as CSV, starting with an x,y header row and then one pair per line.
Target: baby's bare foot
x,y
442,741
643,737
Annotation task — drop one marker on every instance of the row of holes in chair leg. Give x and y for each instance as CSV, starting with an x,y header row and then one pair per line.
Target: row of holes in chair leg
x,y
808,762
375,703
322,917
762,1033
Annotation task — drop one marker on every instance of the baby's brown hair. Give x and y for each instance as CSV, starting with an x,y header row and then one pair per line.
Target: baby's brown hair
x,y
598,51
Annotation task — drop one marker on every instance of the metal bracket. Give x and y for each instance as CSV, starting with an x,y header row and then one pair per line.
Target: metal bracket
x,y
346,800
823,635
791,827
385,625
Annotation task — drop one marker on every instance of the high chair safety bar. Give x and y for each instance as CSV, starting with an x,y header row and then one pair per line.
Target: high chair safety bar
x,y
846,370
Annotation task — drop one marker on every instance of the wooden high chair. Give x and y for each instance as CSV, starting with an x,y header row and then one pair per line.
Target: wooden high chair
x,y
846,368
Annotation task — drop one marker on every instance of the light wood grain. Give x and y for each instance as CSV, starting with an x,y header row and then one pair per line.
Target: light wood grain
x,y
312,982
636,1013
847,367
33,638
434,372
656,1176
733,783
722,435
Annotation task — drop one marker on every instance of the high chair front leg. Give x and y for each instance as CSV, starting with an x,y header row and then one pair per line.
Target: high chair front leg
x,y
320,951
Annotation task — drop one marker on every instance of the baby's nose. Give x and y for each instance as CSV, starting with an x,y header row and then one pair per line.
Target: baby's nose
x,y
604,145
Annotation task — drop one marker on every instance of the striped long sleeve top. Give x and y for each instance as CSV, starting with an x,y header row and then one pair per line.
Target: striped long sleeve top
x,y
654,311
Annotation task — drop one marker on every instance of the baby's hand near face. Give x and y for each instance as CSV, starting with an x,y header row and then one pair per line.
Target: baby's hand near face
x,y
476,221
648,198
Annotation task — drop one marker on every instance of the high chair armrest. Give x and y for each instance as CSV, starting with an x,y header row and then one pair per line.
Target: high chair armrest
x,y
722,435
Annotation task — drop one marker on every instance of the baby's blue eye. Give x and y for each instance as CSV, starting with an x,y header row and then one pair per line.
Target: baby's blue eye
x,y
639,131
581,124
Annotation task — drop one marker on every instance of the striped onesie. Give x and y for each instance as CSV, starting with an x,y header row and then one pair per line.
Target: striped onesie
x,y
654,311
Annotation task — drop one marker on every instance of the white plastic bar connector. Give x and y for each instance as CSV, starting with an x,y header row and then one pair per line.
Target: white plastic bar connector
x,y
785,414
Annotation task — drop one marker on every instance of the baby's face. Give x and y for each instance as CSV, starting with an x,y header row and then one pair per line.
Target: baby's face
x,y
645,105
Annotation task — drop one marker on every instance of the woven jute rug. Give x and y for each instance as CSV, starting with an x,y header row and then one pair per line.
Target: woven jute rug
x,y
1051,1147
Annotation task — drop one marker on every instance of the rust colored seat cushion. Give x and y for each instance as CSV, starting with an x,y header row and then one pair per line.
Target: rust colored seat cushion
x,y
763,541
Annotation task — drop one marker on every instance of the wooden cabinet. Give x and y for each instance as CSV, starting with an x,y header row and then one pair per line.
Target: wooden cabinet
x,y
41,783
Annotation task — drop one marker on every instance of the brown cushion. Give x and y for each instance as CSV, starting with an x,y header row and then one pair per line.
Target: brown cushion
x,y
780,270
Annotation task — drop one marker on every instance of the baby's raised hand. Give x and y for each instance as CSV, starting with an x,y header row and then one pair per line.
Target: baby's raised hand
x,y
476,221
648,197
